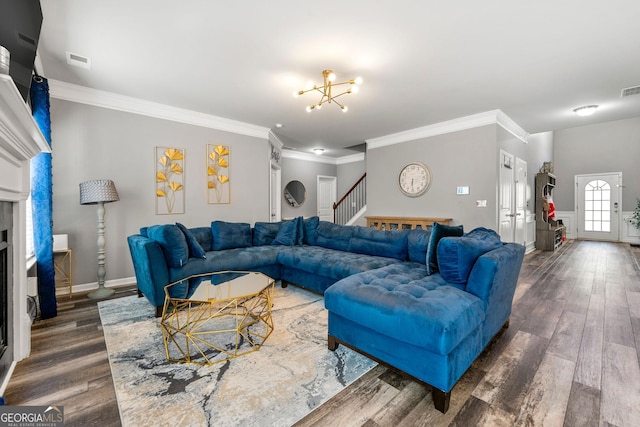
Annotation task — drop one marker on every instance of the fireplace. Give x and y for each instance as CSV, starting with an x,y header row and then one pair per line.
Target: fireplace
x,y
20,140
6,284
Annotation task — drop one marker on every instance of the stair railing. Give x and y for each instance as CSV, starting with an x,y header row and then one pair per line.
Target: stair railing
x,y
354,200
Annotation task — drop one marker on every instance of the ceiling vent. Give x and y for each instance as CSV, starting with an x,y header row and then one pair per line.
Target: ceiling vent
x,y
633,90
78,60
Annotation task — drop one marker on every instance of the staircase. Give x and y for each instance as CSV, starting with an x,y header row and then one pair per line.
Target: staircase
x,y
353,204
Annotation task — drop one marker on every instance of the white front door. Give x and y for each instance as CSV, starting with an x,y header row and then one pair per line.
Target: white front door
x,y
506,202
599,206
327,189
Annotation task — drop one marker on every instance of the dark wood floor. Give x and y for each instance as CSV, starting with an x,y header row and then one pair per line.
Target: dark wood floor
x,y
570,357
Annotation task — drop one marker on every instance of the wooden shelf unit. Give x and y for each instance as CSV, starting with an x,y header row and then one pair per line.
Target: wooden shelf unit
x,y
403,223
548,232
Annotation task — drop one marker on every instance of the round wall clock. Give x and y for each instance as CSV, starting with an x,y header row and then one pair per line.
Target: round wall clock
x,y
414,179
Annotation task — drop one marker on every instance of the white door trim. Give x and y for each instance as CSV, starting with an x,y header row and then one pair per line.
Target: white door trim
x,y
616,211
333,181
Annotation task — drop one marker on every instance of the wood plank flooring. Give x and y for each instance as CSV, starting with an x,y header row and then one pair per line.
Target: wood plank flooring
x,y
569,358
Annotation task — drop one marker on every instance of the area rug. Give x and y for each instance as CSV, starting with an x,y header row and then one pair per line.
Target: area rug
x,y
289,376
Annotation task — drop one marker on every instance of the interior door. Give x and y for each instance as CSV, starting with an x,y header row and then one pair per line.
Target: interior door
x,y
599,206
275,202
327,189
506,202
520,231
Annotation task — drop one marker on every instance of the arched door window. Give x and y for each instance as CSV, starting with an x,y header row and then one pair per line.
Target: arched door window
x,y
597,206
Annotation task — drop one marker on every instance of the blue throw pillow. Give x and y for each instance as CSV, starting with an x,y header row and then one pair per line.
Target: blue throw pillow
x,y
195,250
310,225
438,231
173,243
287,234
230,235
300,232
203,236
417,242
265,232
458,255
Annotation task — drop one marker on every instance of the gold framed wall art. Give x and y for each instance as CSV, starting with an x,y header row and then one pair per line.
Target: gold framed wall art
x,y
170,197
218,186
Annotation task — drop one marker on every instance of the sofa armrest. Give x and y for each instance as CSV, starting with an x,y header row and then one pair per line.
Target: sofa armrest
x,y
493,279
150,266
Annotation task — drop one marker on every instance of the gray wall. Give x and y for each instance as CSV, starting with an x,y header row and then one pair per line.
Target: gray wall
x,y
96,143
465,158
306,172
348,174
604,147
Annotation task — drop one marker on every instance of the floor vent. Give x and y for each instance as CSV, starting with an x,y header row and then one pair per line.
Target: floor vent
x,y
633,90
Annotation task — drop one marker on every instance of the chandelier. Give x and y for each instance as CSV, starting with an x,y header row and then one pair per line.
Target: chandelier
x,y
327,91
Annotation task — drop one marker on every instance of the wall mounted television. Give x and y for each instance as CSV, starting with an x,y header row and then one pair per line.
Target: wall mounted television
x,y
20,24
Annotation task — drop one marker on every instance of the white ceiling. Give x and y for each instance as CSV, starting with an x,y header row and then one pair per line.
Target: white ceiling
x,y
422,62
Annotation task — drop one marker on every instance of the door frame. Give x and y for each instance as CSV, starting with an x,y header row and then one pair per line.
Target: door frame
x,y
275,193
333,180
576,195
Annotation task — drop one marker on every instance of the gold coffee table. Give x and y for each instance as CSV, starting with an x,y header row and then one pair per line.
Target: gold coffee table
x,y
228,315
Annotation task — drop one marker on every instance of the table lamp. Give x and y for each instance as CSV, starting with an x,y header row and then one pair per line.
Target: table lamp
x,y
99,192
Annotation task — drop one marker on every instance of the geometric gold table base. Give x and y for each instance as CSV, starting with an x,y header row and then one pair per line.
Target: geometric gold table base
x,y
210,332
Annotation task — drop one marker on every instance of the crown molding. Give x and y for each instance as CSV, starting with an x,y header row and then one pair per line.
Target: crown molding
x,y
350,159
291,154
468,122
275,140
104,99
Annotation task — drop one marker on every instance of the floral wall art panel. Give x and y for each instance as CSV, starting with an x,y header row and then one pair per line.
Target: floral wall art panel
x,y
218,186
169,180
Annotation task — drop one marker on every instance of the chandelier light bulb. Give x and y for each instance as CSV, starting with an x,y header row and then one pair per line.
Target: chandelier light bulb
x,y
358,80
354,89
344,108
331,77
309,108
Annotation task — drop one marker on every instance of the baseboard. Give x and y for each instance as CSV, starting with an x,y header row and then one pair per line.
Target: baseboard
x,y
86,287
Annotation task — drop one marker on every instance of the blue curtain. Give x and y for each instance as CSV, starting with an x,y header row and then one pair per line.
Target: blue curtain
x,y
41,202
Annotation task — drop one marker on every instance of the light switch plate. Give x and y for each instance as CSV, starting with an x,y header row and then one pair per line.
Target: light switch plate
x,y
462,191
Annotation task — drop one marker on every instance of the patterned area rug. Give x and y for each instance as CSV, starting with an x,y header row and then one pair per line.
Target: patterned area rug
x,y
289,376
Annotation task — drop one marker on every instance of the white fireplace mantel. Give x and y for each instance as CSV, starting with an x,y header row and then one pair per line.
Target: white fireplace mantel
x,y
20,140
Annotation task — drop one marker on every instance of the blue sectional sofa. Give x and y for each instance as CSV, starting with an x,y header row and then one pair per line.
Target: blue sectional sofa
x,y
426,302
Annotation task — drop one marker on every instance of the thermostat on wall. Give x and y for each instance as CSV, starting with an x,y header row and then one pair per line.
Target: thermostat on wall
x,y
463,191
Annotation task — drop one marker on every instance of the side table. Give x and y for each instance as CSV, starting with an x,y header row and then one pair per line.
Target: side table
x,y
62,268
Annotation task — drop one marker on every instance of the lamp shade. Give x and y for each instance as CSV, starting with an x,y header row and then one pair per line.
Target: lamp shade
x,y
99,190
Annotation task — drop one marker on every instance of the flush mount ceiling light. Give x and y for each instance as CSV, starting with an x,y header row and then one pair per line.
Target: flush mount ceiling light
x,y
318,151
326,90
587,110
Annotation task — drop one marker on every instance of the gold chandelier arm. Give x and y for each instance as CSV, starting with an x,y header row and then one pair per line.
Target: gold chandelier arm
x,y
343,93
350,82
